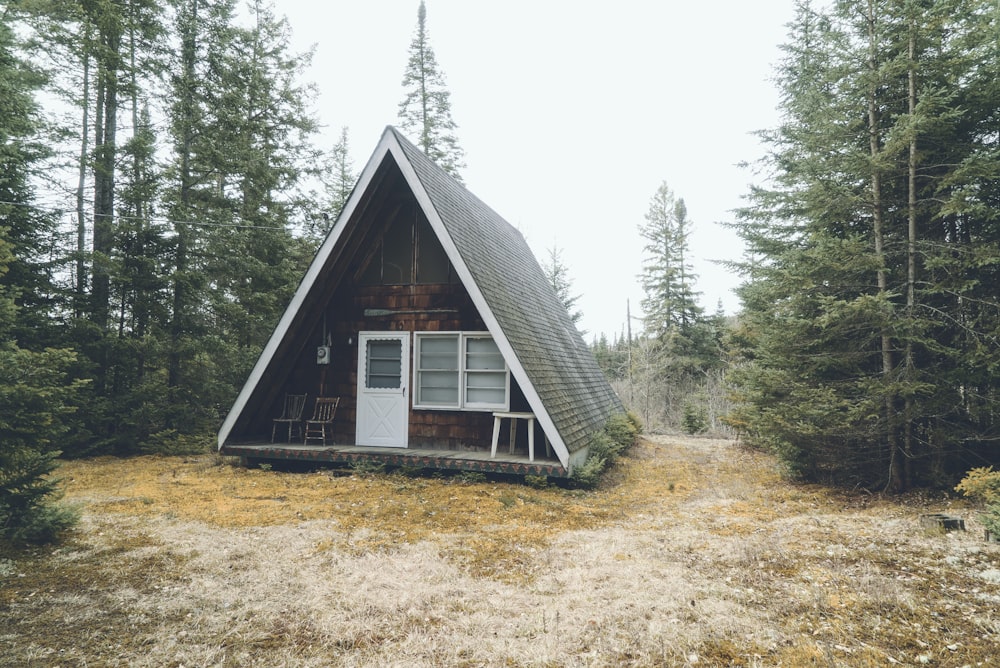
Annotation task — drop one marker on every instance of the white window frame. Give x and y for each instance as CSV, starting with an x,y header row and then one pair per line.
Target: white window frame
x,y
462,374
418,402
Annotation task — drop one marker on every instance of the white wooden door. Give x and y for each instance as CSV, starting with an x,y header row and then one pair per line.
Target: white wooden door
x,y
383,392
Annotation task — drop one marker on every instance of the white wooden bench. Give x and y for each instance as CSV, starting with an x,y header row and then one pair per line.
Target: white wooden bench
x,y
514,417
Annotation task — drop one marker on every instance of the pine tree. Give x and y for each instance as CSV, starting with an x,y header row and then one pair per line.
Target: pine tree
x,y
865,306
241,137
201,28
34,394
338,181
558,275
261,138
667,276
108,21
425,112
679,346
29,278
102,60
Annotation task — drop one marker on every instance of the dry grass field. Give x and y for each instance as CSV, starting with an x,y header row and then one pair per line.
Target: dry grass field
x,y
693,553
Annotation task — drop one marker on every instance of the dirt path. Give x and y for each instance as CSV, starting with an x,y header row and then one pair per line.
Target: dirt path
x,y
694,553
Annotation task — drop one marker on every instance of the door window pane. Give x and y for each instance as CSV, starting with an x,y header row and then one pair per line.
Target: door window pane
x,y
384,365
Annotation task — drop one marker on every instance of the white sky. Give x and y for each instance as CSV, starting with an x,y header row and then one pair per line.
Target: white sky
x,y
571,113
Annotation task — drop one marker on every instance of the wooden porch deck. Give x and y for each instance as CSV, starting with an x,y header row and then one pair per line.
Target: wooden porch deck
x,y
450,460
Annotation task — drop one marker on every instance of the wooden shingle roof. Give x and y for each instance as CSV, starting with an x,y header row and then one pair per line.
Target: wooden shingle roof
x,y
569,388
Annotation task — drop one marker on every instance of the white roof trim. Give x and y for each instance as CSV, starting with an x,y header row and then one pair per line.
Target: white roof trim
x,y
537,407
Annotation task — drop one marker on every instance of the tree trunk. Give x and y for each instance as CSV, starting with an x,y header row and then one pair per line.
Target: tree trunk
x,y
895,480
186,103
911,252
104,188
81,219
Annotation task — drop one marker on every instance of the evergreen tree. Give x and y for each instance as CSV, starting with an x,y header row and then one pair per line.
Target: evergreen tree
x,y
425,112
165,352
683,341
261,149
103,58
672,359
34,394
667,276
338,181
558,275
240,132
35,401
612,357
201,28
138,259
29,278
865,310
108,21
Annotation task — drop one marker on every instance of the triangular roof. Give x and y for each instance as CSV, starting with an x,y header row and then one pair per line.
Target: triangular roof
x,y
547,357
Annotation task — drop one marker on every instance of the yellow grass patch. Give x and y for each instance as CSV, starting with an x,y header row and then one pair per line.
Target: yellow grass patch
x,y
692,552
492,527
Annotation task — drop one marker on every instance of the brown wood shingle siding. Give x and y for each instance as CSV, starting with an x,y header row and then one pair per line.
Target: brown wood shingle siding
x,y
441,307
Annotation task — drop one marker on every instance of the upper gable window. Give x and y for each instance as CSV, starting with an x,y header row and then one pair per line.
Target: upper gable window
x,y
409,252
432,262
397,254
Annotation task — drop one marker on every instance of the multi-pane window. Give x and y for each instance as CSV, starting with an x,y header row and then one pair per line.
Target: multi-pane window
x,y
485,373
409,252
437,371
460,370
383,364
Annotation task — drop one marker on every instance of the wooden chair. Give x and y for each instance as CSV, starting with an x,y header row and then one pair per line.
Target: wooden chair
x,y
291,415
323,414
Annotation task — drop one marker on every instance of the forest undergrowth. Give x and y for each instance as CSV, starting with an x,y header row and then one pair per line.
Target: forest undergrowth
x,y
692,552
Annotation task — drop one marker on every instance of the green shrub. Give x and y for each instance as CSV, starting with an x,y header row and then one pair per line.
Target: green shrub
x,y
635,421
171,442
620,432
44,524
537,481
601,445
470,478
36,404
983,484
589,475
695,419
28,494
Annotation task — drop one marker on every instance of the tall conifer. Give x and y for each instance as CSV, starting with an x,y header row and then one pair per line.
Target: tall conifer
x,y
871,244
35,396
425,112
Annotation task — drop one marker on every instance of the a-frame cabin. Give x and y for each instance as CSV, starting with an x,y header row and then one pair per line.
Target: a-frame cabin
x,y
428,316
